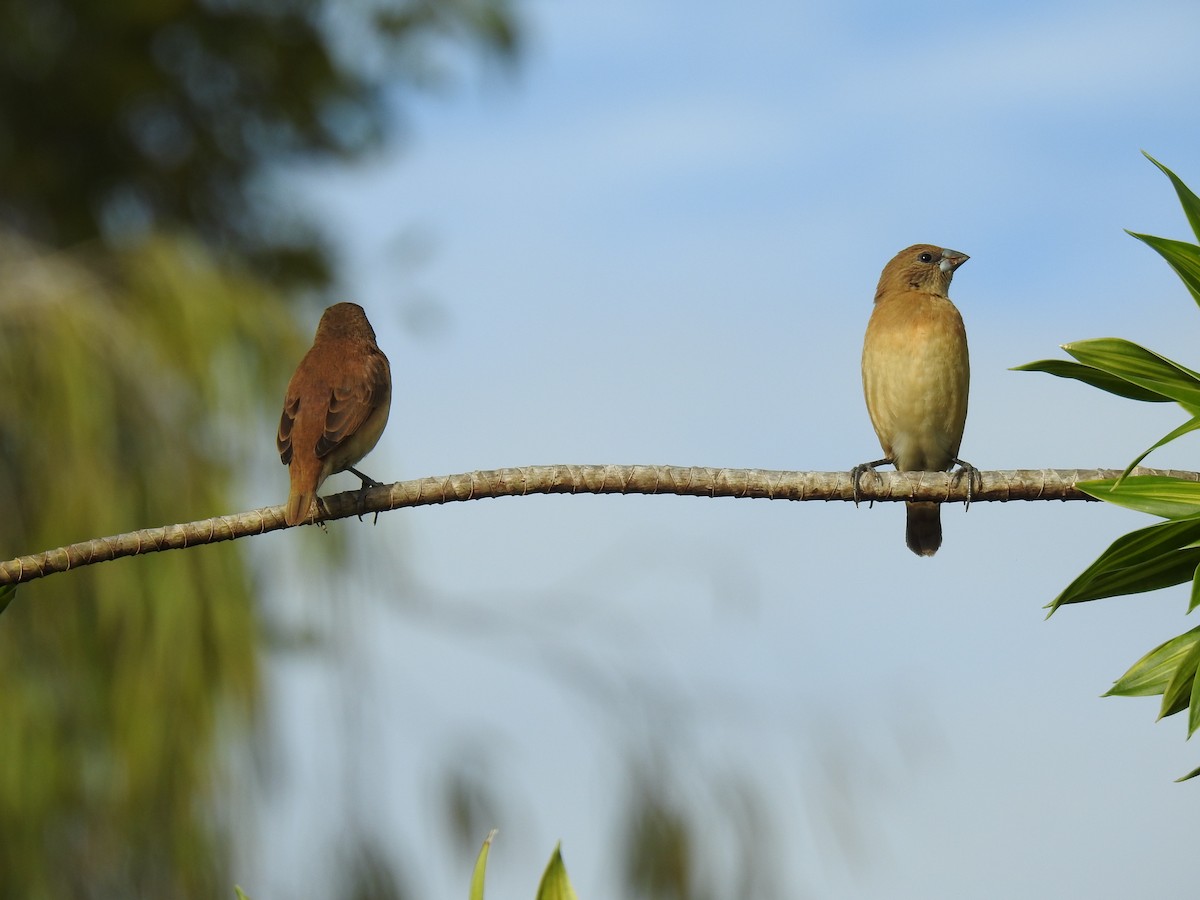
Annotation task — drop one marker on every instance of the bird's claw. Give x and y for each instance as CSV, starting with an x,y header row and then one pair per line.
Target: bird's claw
x,y
855,475
367,482
857,472
973,476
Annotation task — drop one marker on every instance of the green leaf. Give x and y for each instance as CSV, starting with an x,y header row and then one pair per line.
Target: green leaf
x,y
1189,201
7,592
555,885
1194,599
1187,427
1191,774
1151,674
481,867
241,895
1178,692
1140,366
1064,368
1181,256
1144,560
1194,704
1158,495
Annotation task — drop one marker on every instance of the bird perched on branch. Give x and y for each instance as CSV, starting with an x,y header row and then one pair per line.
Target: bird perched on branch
x,y
915,377
335,408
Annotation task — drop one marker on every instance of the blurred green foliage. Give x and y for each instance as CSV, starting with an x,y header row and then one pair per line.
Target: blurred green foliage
x,y
129,116
128,382
1167,553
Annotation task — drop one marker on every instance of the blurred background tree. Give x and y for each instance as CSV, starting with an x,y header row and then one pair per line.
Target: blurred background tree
x,y
144,325
119,680
121,118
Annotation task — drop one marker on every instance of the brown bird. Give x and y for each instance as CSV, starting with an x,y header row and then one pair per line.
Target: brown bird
x,y
915,376
335,407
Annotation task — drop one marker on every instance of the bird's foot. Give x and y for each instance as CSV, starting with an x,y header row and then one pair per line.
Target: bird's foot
x,y
367,482
973,478
857,472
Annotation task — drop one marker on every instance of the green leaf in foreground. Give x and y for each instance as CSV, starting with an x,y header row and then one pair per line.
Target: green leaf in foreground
x,y
1158,495
1193,698
555,884
1177,695
1097,378
1189,201
1189,775
1145,560
1137,365
1184,258
1186,428
241,895
1152,673
481,867
1167,553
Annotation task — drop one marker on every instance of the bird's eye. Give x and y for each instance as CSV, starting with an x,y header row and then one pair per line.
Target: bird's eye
x,y
926,257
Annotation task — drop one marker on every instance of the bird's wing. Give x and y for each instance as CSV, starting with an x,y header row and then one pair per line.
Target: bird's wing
x,y
291,406
352,401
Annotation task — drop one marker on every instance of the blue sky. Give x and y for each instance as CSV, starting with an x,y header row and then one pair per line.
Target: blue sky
x,y
658,243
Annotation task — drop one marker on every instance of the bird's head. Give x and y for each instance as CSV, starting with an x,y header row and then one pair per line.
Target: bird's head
x,y
922,267
345,320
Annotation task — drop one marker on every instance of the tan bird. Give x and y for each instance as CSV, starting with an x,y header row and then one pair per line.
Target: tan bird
x,y
335,408
915,376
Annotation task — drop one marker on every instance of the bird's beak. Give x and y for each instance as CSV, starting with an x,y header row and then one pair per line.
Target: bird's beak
x,y
951,260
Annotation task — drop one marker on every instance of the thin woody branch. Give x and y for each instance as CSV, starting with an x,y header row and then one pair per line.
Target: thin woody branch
x,y
886,486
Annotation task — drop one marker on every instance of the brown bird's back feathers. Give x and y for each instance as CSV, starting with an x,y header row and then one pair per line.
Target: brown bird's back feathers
x,y
336,405
916,374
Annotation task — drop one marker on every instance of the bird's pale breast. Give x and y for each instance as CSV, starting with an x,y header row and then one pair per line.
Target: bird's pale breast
x,y
915,376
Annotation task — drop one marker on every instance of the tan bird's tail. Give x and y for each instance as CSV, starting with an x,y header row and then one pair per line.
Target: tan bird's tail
x,y
924,532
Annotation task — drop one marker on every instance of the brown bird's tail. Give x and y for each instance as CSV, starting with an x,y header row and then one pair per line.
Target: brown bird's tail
x,y
924,532
298,506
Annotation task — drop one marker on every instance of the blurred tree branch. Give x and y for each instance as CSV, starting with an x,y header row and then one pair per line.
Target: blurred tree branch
x,y
1002,486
